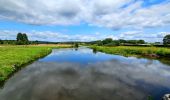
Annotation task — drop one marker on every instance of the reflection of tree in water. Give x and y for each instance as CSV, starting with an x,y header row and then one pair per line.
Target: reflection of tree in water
x,y
76,49
94,50
165,61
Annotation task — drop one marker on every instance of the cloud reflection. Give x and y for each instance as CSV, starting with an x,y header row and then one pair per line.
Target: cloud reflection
x,y
110,80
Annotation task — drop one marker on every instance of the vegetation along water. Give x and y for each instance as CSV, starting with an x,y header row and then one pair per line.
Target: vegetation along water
x,y
14,57
154,52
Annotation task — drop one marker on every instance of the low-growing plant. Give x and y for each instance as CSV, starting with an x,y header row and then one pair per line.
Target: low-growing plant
x,y
133,50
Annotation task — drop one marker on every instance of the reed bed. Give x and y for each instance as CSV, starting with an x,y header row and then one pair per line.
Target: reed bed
x,y
132,50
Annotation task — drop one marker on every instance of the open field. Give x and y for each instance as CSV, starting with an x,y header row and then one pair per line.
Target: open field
x,y
135,51
13,58
54,45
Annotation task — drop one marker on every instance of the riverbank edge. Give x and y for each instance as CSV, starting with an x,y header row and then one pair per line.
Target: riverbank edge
x,y
148,53
23,65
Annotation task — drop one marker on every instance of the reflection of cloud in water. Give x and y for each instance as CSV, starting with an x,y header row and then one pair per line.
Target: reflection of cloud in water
x,y
58,52
111,80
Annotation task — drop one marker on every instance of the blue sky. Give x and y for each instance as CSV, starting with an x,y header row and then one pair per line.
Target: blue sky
x,y
84,20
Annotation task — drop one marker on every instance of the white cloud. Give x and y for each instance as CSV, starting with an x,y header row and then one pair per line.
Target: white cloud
x,y
137,35
54,36
62,37
103,13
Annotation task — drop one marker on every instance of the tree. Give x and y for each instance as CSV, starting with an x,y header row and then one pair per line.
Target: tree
x,y
122,41
22,39
107,40
166,39
141,42
1,42
25,38
19,37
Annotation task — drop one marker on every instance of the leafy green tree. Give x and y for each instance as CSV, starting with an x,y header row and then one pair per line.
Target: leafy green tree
x,y
141,42
99,43
166,40
22,39
25,38
36,42
122,41
107,41
1,42
113,43
19,37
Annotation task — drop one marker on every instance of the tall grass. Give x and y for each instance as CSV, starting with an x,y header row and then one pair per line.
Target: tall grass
x,y
132,50
13,58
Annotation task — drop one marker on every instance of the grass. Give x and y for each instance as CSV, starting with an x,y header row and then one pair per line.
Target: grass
x,y
12,58
134,51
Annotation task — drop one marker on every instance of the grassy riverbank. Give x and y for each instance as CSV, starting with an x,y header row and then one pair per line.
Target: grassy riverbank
x,y
134,51
12,58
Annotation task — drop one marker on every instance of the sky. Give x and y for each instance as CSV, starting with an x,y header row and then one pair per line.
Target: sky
x,y
85,20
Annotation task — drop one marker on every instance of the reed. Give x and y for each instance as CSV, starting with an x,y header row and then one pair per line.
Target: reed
x,y
132,50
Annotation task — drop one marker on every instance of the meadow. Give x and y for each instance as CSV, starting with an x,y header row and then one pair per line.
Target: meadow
x,y
13,58
155,52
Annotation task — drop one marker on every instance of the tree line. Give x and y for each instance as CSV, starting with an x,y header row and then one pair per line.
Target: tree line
x,y
22,39
111,42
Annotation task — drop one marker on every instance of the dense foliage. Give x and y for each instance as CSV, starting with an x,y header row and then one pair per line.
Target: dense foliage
x,y
22,39
110,42
166,40
1,42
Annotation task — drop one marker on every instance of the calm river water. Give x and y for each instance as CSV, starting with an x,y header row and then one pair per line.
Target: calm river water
x,y
69,74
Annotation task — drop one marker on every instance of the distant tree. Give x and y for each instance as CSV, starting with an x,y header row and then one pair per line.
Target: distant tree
x,y
1,42
76,45
19,37
122,41
166,40
99,43
36,42
132,41
141,42
107,40
22,39
113,43
25,38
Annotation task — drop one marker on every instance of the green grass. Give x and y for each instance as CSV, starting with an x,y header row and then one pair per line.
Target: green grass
x,y
12,58
134,51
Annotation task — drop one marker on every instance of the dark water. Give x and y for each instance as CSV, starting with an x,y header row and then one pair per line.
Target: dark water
x,y
67,74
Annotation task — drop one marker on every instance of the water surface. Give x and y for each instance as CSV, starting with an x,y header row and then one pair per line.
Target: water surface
x,y
69,74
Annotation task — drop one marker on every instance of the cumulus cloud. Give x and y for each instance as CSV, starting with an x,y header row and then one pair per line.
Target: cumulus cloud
x,y
63,37
41,12
149,37
115,14
55,36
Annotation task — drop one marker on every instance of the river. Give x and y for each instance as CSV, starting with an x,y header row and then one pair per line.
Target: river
x,y
81,74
